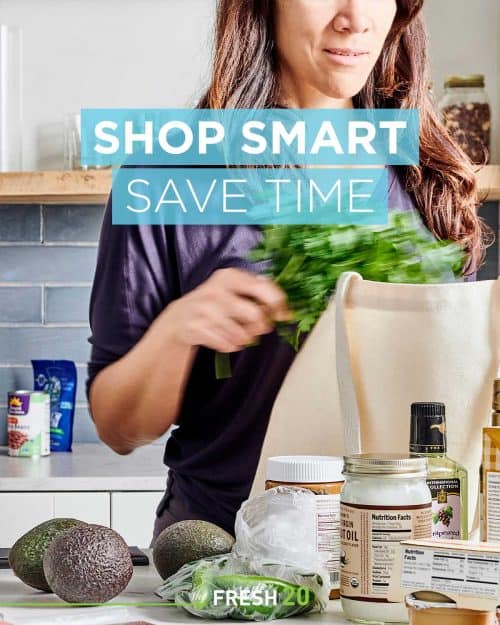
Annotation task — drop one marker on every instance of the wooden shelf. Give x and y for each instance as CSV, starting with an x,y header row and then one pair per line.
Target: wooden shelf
x,y
55,187
489,182
93,186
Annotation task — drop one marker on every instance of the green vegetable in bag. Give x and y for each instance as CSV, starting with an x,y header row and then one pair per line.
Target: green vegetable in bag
x,y
211,588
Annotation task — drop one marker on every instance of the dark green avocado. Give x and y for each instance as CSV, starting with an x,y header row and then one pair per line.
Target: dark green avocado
x,y
186,541
26,556
88,564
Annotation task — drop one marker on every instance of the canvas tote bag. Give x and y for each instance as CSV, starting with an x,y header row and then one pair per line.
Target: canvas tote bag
x,y
376,349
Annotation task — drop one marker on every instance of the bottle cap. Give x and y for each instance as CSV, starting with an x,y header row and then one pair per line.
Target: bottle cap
x,y
305,469
428,428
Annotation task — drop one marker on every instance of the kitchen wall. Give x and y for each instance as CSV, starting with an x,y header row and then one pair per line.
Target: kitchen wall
x,y
155,53
104,53
47,261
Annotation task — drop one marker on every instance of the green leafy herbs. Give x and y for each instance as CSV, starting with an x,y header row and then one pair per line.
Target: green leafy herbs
x,y
307,261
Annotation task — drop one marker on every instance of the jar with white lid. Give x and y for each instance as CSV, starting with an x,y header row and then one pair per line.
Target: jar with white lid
x,y
323,476
385,500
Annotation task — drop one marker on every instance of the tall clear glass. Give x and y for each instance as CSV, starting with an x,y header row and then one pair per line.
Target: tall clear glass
x,y
11,147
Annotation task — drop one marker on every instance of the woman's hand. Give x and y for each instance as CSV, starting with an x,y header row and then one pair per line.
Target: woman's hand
x,y
228,311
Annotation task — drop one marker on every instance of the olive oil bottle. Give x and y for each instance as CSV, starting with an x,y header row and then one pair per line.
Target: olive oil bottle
x,y
447,479
489,474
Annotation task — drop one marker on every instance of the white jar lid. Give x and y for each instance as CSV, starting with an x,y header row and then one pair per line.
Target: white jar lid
x,y
305,469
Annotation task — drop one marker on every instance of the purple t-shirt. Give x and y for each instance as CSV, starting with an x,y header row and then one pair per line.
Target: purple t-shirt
x,y
213,453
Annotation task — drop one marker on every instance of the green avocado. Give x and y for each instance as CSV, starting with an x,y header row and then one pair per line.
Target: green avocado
x,y
88,564
26,556
186,541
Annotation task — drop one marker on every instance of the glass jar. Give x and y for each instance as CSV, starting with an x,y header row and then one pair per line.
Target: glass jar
x,y
385,500
467,115
323,476
11,95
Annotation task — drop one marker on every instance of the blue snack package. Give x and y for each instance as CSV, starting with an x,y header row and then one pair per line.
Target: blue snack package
x,y
58,379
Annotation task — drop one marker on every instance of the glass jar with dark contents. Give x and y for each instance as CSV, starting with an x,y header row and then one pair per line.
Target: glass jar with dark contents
x,y
467,115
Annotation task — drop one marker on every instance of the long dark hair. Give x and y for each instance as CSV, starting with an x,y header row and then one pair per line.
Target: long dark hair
x,y
245,75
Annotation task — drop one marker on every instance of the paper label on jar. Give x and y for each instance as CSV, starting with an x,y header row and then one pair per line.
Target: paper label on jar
x,y
446,508
492,500
443,571
370,538
328,534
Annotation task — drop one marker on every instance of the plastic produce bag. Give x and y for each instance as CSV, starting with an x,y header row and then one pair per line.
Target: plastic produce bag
x,y
273,571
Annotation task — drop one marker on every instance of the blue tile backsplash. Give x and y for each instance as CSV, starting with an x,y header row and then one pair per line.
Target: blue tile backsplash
x,y
47,262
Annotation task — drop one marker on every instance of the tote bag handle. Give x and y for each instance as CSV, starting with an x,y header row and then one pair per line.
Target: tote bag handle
x,y
345,379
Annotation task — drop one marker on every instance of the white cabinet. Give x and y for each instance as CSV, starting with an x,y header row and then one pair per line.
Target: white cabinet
x,y
88,507
133,516
19,512
91,483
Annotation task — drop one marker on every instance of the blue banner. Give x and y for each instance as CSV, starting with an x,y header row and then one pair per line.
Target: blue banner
x,y
207,137
235,196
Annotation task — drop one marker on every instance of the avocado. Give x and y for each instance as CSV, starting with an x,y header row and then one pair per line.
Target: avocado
x,y
88,564
186,541
26,556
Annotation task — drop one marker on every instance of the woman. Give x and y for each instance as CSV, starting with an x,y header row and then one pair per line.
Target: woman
x,y
165,298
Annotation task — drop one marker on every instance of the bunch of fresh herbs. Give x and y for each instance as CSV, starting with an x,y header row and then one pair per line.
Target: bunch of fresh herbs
x,y
307,260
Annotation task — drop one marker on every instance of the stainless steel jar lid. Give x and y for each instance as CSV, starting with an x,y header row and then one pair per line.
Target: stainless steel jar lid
x,y
397,465
473,80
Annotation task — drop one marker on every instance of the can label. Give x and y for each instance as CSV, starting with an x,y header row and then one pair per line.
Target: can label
x,y
28,424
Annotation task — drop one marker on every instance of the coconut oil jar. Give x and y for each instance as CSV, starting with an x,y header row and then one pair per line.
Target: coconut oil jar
x,y
385,499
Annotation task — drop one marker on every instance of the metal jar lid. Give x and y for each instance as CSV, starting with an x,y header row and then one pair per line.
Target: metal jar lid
x,y
305,469
397,465
473,80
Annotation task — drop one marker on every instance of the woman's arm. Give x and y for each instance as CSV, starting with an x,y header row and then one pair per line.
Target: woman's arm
x,y
136,399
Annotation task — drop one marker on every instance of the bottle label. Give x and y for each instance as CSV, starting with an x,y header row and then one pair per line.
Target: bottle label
x,y
492,497
369,539
446,508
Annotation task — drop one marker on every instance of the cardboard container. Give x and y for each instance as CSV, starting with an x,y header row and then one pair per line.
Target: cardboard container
x,y
430,613
468,573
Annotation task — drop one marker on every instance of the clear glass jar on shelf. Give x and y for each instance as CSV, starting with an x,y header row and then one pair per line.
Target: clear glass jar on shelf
x,y
467,115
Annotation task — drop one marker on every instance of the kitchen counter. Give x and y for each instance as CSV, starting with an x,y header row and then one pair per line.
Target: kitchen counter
x,y
140,590
88,467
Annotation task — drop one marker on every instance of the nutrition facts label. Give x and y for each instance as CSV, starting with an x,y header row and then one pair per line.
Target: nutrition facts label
x,y
328,534
458,572
493,506
370,538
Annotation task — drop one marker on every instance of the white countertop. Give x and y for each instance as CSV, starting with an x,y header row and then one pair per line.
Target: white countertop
x,y
88,467
140,590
